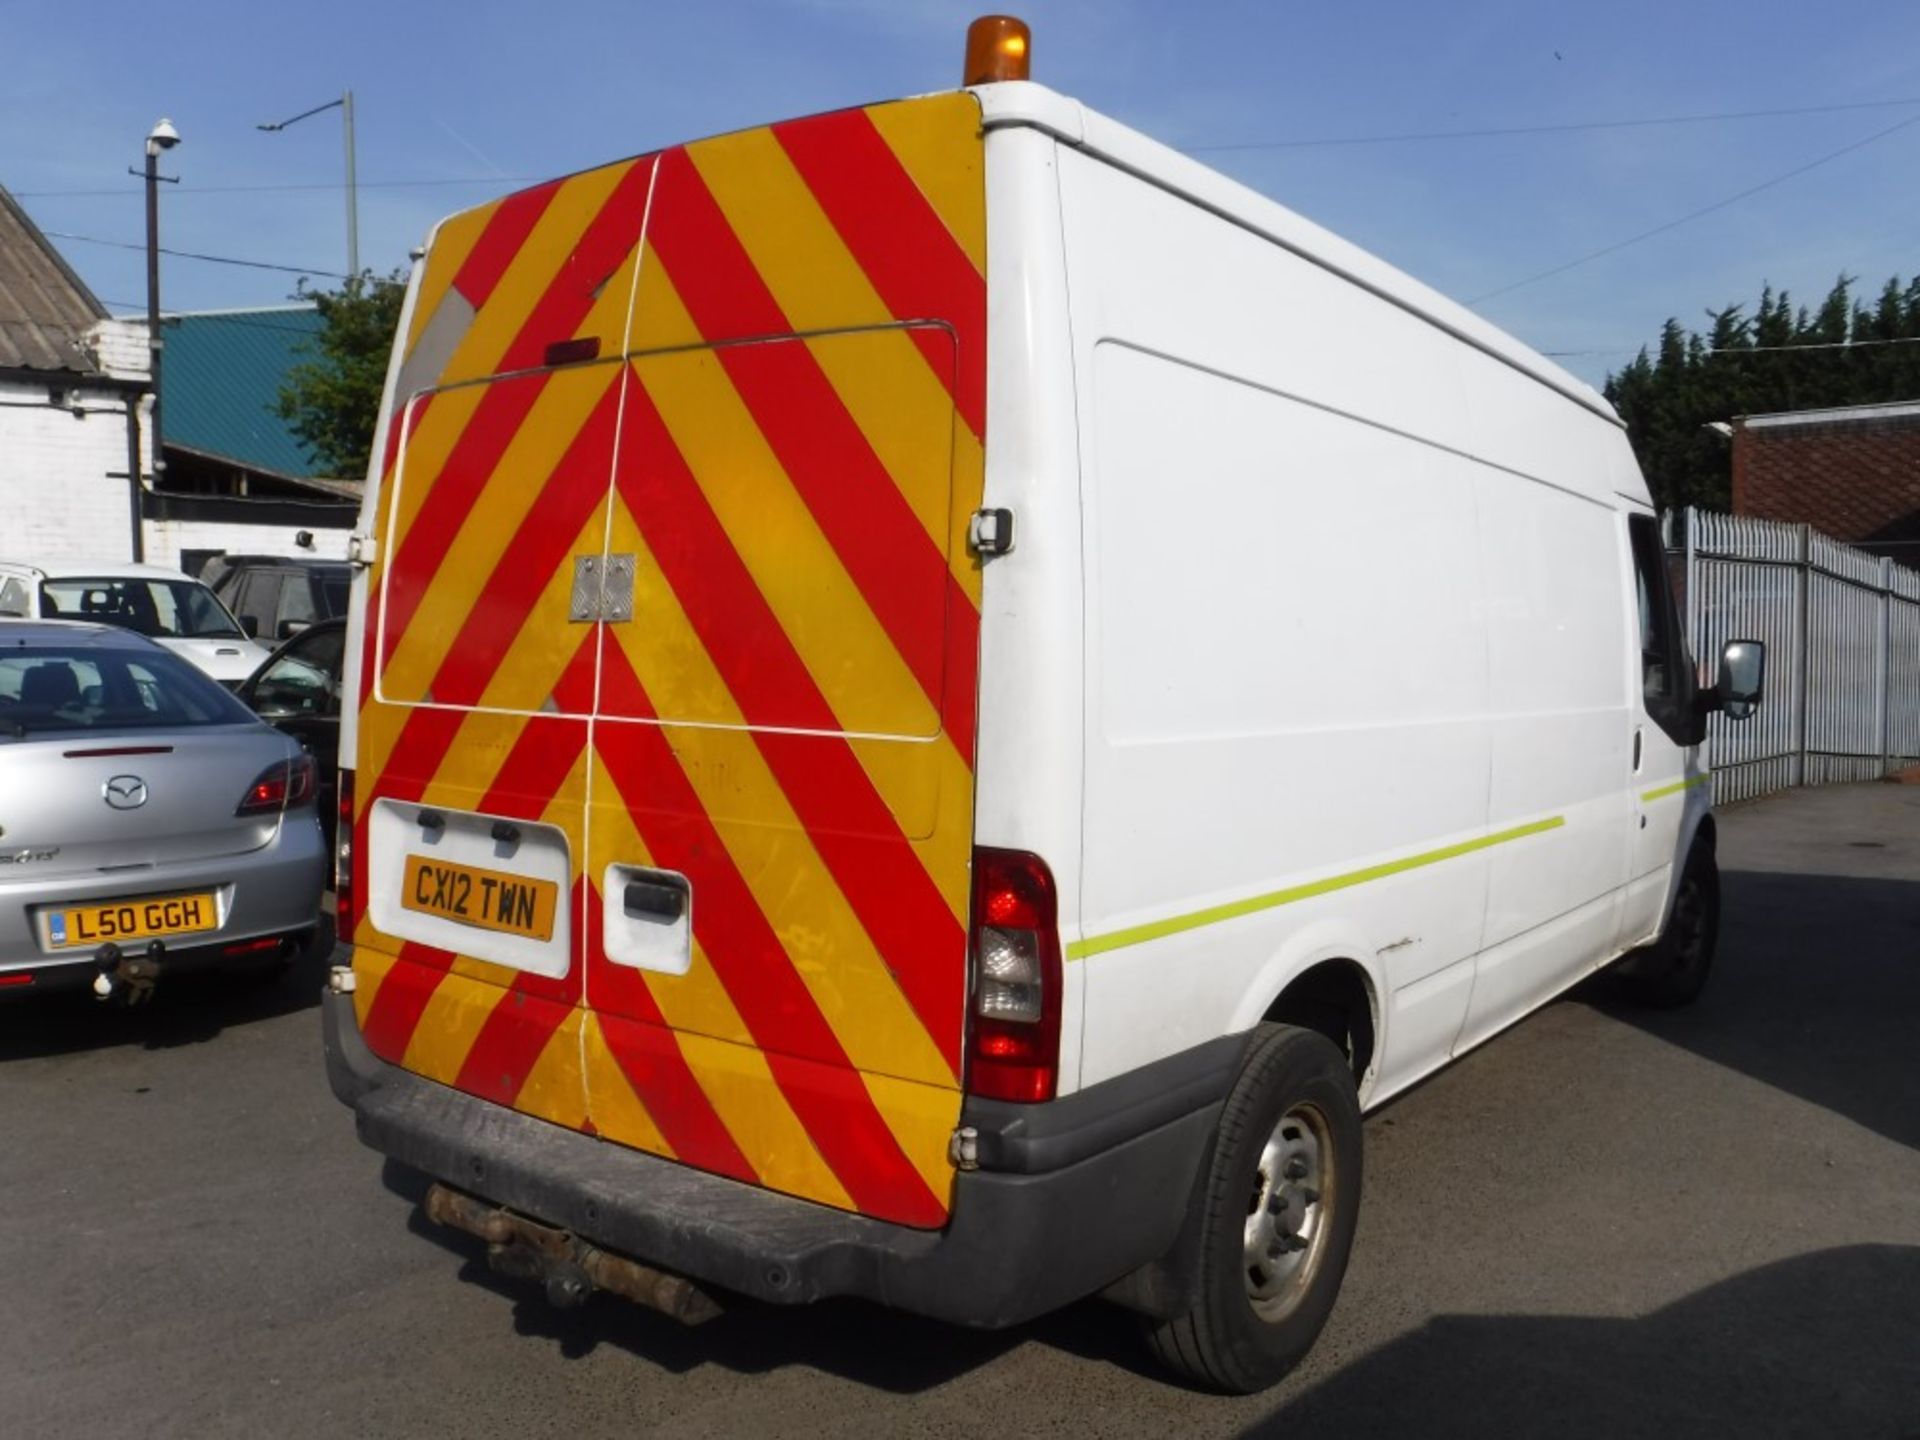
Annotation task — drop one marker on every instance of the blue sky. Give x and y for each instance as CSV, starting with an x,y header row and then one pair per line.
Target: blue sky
x,y
487,94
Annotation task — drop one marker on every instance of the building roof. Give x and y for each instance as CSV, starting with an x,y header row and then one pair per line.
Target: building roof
x,y
1852,472
221,378
1839,415
46,309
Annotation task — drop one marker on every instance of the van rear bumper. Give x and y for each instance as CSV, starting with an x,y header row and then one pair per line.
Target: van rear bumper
x,y
1071,1196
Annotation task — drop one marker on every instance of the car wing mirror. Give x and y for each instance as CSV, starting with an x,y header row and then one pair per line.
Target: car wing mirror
x,y
1743,674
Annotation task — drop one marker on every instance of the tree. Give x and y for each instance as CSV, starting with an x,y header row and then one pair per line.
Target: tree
x,y
1782,358
333,400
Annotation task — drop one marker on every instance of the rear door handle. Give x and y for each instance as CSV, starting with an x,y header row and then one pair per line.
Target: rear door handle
x,y
668,902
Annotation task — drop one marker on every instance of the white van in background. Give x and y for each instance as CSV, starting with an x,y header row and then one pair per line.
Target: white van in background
x,y
1246,681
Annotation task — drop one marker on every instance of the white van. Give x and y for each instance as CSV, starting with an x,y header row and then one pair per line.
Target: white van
x,y
947,696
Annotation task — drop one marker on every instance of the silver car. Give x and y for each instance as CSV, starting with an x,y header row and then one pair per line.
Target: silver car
x,y
149,822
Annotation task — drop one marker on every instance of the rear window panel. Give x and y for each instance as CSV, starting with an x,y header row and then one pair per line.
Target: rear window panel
x,y
46,689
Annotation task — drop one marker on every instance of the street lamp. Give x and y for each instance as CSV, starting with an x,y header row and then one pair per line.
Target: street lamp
x,y
162,137
345,104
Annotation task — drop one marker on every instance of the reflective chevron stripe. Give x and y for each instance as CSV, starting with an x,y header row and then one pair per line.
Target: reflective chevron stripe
x,y
784,429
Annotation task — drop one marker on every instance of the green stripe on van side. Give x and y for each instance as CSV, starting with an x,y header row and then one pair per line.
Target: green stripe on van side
x,y
1674,789
1156,929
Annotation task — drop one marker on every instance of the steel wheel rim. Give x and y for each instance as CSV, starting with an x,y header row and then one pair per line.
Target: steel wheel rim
x,y
1289,1213
1689,924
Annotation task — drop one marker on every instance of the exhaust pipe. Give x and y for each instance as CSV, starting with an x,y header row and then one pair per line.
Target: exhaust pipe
x,y
569,1268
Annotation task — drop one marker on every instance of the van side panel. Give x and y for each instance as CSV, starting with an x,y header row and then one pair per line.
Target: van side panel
x,y
778,438
1555,608
1308,736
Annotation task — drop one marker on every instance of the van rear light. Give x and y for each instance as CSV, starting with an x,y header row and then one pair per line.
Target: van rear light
x,y
281,786
346,894
1013,1051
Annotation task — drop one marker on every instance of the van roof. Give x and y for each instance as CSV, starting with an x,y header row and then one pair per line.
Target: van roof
x,y
1024,103
1011,103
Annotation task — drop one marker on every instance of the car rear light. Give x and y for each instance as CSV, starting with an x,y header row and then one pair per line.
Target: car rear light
x,y
346,893
281,786
6,980
252,947
1014,943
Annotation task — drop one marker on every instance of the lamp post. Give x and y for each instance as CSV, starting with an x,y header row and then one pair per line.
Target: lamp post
x,y
162,137
345,105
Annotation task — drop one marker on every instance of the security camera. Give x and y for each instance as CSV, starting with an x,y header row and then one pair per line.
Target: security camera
x,y
163,137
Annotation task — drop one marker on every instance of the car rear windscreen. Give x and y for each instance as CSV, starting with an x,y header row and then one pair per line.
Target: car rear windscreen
x,y
177,609
49,688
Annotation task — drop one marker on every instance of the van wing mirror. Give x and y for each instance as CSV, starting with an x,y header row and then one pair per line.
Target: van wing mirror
x,y
1743,673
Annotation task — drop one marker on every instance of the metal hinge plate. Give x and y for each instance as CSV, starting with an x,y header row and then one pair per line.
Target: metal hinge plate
x,y
362,550
602,590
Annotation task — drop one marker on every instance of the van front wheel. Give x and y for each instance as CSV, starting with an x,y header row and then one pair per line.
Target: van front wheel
x,y
1280,1203
1673,970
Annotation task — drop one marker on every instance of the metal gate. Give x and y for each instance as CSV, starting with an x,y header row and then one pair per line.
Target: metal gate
x,y
1842,630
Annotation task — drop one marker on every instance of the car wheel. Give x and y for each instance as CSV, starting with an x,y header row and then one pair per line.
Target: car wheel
x,y
1673,970
1280,1200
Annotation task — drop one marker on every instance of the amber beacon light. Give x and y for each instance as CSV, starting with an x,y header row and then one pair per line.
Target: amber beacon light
x,y
999,47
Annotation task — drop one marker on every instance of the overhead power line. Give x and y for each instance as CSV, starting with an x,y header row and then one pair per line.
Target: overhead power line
x,y
196,255
186,189
1693,215
1389,138
1565,128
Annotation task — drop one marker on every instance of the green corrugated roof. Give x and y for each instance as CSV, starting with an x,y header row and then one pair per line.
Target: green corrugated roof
x,y
220,376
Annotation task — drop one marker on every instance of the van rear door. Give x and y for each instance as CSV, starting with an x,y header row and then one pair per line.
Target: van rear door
x,y
781,802
471,755
716,804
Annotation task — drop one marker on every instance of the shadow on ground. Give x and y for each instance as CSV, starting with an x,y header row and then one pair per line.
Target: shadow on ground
x,y
1823,1344
1815,991
187,1010
891,1351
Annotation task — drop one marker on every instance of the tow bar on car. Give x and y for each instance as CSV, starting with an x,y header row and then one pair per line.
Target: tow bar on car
x,y
130,977
570,1268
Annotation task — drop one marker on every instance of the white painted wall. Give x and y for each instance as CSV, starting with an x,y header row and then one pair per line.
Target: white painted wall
x,y
63,488
120,347
167,538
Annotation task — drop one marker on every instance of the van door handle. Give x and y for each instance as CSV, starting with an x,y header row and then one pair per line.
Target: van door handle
x,y
1636,749
665,901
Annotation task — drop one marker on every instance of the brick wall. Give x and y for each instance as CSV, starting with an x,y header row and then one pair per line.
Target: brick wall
x,y
1857,479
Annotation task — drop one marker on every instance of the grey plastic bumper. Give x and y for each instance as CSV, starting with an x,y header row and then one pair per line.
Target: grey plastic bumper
x,y
1017,1244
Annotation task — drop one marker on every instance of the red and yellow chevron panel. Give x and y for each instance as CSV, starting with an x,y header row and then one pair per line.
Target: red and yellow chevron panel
x,y
781,423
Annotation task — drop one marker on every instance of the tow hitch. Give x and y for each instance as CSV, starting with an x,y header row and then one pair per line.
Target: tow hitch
x,y
570,1268
129,977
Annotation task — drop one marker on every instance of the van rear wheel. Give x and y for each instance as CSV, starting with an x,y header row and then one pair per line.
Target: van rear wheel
x,y
1280,1203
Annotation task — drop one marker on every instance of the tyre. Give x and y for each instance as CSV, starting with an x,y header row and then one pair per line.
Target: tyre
x,y
1672,971
1279,1205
